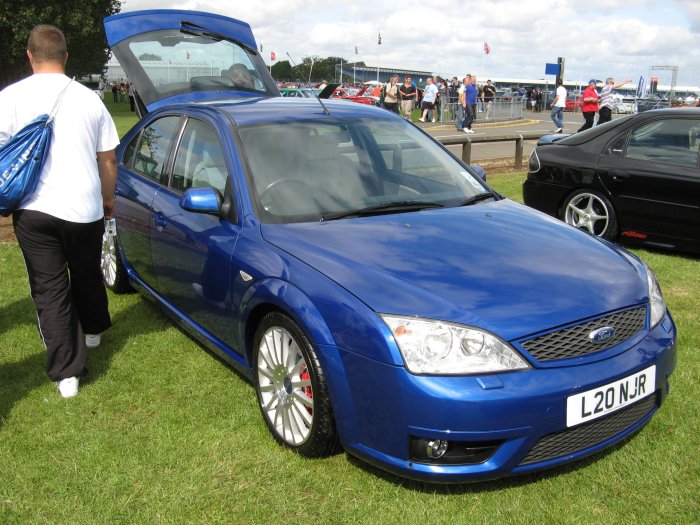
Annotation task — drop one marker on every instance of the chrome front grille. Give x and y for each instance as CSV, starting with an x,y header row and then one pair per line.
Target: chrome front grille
x,y
574,341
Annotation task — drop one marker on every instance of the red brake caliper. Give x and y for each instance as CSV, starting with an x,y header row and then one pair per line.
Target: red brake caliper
x,y
307,389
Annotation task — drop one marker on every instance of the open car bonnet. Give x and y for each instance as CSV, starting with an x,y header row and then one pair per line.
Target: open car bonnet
x,y
175,56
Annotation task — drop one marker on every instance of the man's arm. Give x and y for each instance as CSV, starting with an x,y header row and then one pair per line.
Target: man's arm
x,y
107,167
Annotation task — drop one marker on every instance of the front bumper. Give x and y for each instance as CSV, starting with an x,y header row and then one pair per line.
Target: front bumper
x,y
520,415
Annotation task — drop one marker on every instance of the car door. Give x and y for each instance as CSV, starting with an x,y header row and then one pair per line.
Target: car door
x,y
142,170
192,252
652,172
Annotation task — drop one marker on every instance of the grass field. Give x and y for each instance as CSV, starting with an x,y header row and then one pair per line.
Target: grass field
x,y
162,432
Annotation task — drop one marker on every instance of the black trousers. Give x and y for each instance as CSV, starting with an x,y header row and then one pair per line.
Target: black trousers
x,y
588,116
604,115
65,278
468,116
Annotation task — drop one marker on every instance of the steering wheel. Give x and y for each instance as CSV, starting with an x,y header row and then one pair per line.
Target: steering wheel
x,y
275,185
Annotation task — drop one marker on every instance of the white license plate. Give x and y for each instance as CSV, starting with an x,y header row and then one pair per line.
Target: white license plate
x,y
603,400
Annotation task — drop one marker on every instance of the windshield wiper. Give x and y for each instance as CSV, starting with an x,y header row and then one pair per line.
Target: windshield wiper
x,y
384,208
190,28
478,198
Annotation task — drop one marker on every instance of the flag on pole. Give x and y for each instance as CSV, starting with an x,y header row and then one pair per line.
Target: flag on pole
x,y
356,51
188,55
379,38
487,49
261,48
273,56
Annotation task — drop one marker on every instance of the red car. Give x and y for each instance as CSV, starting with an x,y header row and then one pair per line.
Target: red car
x,y
573,103
364,96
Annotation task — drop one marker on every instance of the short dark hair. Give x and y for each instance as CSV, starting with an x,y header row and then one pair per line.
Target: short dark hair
x,y
47,44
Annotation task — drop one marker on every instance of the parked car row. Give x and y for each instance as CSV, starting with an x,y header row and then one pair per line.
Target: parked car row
x,y
378,293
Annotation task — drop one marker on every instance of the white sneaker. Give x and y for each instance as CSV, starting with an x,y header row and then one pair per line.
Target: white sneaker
x,y
466,130
93,341
470,131
68,387
433,121
421,119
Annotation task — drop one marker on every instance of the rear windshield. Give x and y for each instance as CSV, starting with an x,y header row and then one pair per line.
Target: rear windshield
x,y
589,134
170,62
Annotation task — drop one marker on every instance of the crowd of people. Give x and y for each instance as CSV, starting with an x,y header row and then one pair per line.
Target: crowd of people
x,y
123,92
593,102
457,101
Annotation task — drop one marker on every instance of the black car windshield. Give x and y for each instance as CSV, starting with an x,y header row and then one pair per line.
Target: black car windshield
x,y
332,169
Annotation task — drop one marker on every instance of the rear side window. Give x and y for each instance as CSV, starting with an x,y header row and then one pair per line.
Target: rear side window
x,y
150,148
670,141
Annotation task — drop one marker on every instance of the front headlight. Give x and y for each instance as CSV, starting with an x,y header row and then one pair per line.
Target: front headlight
x,y
436,347
657,306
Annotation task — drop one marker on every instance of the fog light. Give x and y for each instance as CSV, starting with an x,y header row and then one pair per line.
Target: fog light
x,y
443,452
436,448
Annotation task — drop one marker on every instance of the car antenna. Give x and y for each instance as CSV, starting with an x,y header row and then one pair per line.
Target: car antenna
x,y
325,109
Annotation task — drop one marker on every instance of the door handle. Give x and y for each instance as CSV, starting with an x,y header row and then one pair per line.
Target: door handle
x,y
619,175
160,220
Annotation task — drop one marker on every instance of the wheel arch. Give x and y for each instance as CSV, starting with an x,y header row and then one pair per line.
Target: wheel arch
x,y
275,295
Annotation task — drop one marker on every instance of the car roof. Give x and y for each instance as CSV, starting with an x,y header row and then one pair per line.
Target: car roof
x,y
275,109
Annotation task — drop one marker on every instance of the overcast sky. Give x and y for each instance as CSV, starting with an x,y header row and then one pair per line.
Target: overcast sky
x,y
618,38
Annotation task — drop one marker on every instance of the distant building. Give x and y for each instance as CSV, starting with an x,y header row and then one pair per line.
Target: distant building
x,y
164,72
359,72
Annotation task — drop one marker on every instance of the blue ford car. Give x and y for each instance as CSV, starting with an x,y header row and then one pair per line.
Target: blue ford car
x,y
380,296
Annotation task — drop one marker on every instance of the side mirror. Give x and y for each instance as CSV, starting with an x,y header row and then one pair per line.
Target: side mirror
x,y
202,200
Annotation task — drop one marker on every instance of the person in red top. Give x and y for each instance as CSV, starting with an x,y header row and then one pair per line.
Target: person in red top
x,y
590,105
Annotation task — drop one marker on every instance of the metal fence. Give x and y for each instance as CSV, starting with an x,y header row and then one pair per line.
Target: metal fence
x,y
501,109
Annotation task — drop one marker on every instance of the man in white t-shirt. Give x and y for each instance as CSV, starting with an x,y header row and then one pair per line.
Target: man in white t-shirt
x,y
429,96
60,226
558,105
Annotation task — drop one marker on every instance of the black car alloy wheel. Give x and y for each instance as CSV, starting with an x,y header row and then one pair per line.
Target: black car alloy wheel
x,y
590,211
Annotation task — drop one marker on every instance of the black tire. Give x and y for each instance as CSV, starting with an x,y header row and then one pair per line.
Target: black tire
x,y
291,388
113,270
592,212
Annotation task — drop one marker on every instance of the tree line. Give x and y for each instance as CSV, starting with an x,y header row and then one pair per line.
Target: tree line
x,y
80,21
311,69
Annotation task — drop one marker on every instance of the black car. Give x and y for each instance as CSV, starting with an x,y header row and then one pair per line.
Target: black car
x,y
635,179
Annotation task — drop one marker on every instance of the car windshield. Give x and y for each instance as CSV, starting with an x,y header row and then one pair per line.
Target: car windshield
x,y
332,169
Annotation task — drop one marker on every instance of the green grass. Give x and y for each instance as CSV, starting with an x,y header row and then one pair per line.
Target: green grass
x,y
162,432
123,117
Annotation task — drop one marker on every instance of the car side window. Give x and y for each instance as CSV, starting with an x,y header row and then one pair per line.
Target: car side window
x,y
151,147
669,141
617,147
199,161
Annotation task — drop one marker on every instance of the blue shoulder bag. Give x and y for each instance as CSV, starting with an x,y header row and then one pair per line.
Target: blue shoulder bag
x,y
22,157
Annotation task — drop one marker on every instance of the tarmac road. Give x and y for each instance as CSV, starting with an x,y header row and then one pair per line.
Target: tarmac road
x,y
537,122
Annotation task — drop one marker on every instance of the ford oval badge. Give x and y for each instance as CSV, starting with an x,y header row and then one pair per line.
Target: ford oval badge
x,y
601,335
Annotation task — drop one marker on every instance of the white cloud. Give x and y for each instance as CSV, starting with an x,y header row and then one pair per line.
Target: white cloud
x,y
447,36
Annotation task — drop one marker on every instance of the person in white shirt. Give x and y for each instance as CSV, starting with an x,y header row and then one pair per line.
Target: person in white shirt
x,y
558,105
59,227
429,96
